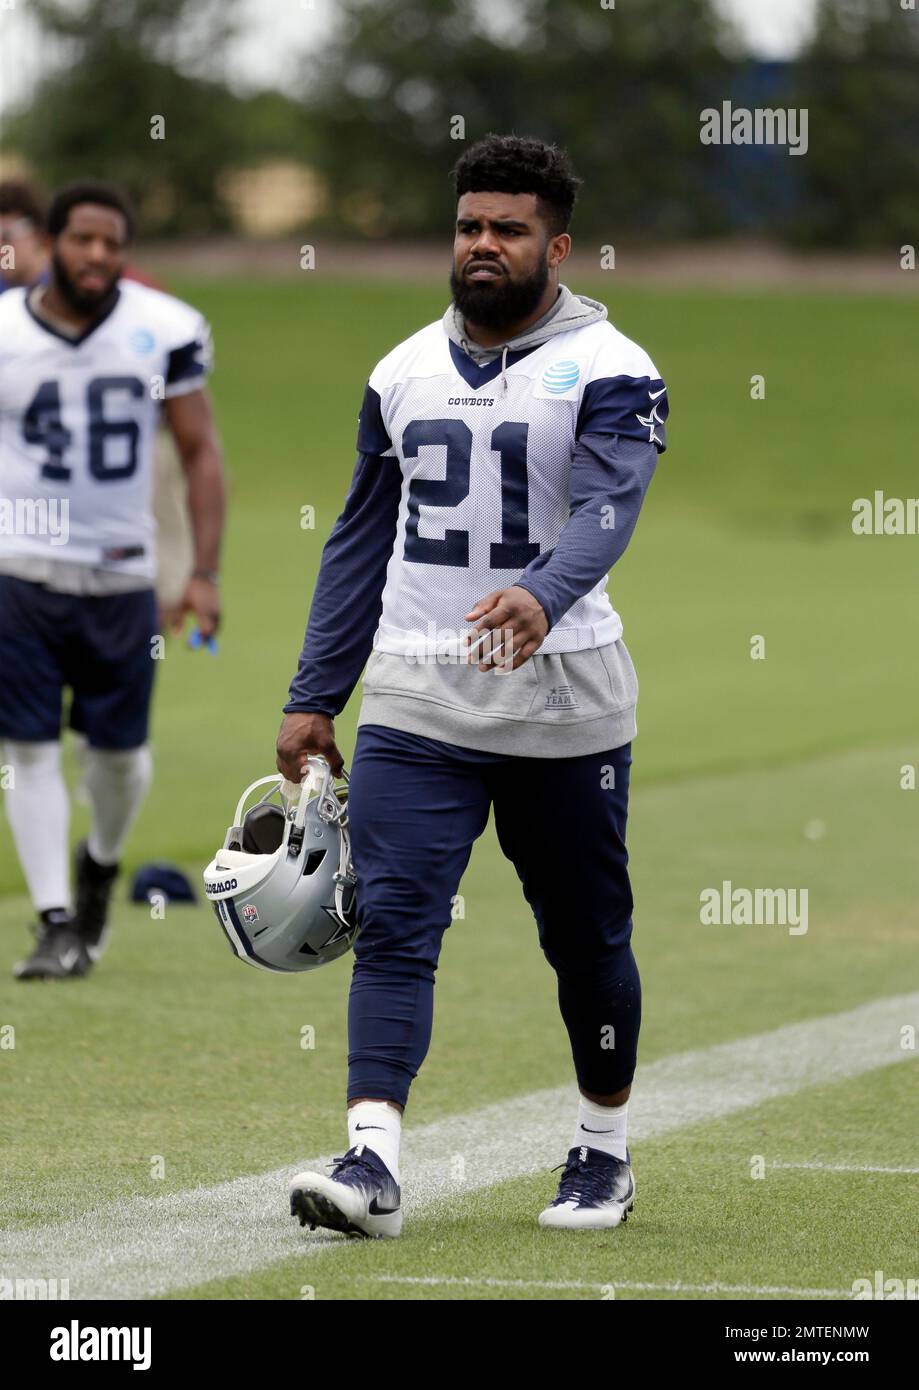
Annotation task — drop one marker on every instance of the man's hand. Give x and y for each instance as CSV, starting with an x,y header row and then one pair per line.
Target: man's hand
x,y
523,626
302,735
202,598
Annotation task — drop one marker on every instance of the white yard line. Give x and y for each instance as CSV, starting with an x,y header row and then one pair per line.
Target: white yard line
x,y
435,1281
141,1246
844,1167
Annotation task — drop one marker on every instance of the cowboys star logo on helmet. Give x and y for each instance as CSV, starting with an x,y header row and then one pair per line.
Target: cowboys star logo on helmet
x,y
283,885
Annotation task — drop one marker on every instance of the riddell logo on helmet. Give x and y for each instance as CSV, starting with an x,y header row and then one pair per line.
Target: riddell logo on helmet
x,y
224,886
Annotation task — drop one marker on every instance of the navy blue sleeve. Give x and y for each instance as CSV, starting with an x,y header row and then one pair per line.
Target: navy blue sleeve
x,y
633,407
610,476
185,362
189,364
347,600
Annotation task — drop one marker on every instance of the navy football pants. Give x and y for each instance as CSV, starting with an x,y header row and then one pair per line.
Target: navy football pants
x,y
417,805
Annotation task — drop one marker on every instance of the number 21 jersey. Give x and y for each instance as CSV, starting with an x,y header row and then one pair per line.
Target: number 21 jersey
x,y
486,454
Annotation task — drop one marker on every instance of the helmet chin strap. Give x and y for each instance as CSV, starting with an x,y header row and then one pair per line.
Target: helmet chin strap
x,y
298,794
317,781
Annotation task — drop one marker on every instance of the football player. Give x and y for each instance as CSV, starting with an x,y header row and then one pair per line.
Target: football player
x,y
23,240
24,253
504,452
87,363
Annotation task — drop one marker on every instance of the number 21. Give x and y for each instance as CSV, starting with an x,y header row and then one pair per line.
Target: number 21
x,y
509,440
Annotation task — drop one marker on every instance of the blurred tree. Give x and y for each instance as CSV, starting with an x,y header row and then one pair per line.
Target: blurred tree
x,y
859,182
127,63
192,34
622,88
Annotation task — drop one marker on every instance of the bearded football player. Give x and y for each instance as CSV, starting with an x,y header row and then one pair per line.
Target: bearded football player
x,y
89,361
503,455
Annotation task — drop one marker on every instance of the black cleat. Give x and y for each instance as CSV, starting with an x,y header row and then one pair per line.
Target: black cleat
x,y
60,953
94,891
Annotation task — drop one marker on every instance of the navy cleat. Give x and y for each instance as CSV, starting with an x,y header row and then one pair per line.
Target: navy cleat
x,y
596,1191
360,1197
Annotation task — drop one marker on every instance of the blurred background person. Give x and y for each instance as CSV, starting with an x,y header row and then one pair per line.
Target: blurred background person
x,y
24,251
23,240
77,608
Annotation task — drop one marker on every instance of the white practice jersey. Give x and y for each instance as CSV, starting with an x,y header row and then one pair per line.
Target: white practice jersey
x,y
77,424
486,456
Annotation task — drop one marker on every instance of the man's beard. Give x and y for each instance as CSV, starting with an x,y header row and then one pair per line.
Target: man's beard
x,y
83,301
499,304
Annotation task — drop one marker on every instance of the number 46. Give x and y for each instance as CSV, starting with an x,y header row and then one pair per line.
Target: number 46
x,y
42,424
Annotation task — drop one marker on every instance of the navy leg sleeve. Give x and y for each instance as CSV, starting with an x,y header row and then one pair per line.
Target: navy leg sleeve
x,y
417,806
563,826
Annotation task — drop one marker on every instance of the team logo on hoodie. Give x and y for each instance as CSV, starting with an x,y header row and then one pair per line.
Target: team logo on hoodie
x,y
561,697
560,377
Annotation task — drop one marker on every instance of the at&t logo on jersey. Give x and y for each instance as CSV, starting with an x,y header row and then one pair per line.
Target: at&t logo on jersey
x,y
142,341
560,377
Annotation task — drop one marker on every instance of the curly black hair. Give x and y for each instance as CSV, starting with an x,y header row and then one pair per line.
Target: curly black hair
x,y
515,164
89,191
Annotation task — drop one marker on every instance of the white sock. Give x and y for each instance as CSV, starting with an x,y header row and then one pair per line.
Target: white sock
x,y
116,783
379,1126
38,810
602,1127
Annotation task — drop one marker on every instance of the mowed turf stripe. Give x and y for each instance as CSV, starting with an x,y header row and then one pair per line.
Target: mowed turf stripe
x,y
142,1246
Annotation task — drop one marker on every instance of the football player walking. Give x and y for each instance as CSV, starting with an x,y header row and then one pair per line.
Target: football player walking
x,y
87,363
504,452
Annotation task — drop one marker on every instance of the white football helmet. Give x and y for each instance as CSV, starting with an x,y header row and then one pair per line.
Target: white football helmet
x,y
283,884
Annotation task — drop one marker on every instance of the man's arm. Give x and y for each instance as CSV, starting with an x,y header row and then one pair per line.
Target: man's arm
x,y
191,423
344,613
620,428
609,478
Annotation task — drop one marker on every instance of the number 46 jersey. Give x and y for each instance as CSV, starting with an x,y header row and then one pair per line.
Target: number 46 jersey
x,y
486,454
77,422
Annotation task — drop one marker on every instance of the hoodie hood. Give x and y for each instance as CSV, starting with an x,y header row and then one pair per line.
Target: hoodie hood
x,y
569,311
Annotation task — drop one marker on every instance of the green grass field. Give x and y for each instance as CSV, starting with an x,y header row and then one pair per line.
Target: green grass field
x,y
779,772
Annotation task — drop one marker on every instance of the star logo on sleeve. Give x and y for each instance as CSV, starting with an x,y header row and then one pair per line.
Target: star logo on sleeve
x,y
650,422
